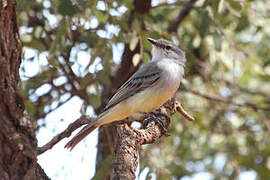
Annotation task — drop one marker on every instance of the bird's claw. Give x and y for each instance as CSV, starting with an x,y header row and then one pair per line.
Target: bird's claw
x,y
154,117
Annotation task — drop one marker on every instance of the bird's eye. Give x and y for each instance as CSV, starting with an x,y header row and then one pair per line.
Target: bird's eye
x,y
168,47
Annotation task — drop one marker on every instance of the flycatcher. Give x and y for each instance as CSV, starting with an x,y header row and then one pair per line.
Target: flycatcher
x,y
145,91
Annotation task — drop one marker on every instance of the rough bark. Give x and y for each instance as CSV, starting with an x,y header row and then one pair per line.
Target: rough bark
x,y
18,155
130,140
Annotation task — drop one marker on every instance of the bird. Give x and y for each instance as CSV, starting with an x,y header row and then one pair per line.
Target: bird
x,y
145,91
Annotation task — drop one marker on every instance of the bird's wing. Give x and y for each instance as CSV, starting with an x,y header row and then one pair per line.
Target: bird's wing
x,y
145,77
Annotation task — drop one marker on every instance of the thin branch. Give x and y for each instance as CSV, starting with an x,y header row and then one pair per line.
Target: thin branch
x,y
182,111
168,4
249,91
182,15
228,101
66,133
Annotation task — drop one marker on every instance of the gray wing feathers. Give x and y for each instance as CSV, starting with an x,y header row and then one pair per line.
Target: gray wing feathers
x,y
145,77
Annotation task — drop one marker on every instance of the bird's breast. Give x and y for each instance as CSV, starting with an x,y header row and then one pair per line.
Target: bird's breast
x,y
171,76
152,98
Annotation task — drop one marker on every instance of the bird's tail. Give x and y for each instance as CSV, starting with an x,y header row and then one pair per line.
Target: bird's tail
x,y
82,134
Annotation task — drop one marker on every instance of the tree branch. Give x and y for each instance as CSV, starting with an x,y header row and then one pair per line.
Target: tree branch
x,y
66,133
228,101
129,140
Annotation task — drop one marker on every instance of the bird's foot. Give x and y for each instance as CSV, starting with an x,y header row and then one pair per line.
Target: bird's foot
x,y
155,116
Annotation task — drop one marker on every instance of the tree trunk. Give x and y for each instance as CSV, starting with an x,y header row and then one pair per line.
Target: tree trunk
x,y
18,155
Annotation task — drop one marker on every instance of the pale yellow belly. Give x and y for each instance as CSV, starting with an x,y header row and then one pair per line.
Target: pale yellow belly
x,y
145,101
118,112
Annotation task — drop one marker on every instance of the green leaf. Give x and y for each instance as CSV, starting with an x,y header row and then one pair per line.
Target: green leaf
x,y
205,24
103,77
146,58
90,38
30,107
36,44
85,81
217,42
94,100
60,35
266,62
66,8
99,15
264,77
146,44
243,23
235,5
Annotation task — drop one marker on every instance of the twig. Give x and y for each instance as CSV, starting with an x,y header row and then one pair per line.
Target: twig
x,y
182,111
66,133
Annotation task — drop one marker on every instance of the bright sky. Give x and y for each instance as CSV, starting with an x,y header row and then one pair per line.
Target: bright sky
x,y
59,163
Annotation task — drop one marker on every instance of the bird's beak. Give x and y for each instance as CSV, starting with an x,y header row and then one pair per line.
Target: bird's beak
x,y
153,41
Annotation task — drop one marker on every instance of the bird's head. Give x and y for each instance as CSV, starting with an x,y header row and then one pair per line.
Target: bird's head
x,y
165,49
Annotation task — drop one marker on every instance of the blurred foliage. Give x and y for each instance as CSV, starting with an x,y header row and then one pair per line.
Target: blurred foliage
x,y
226,85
